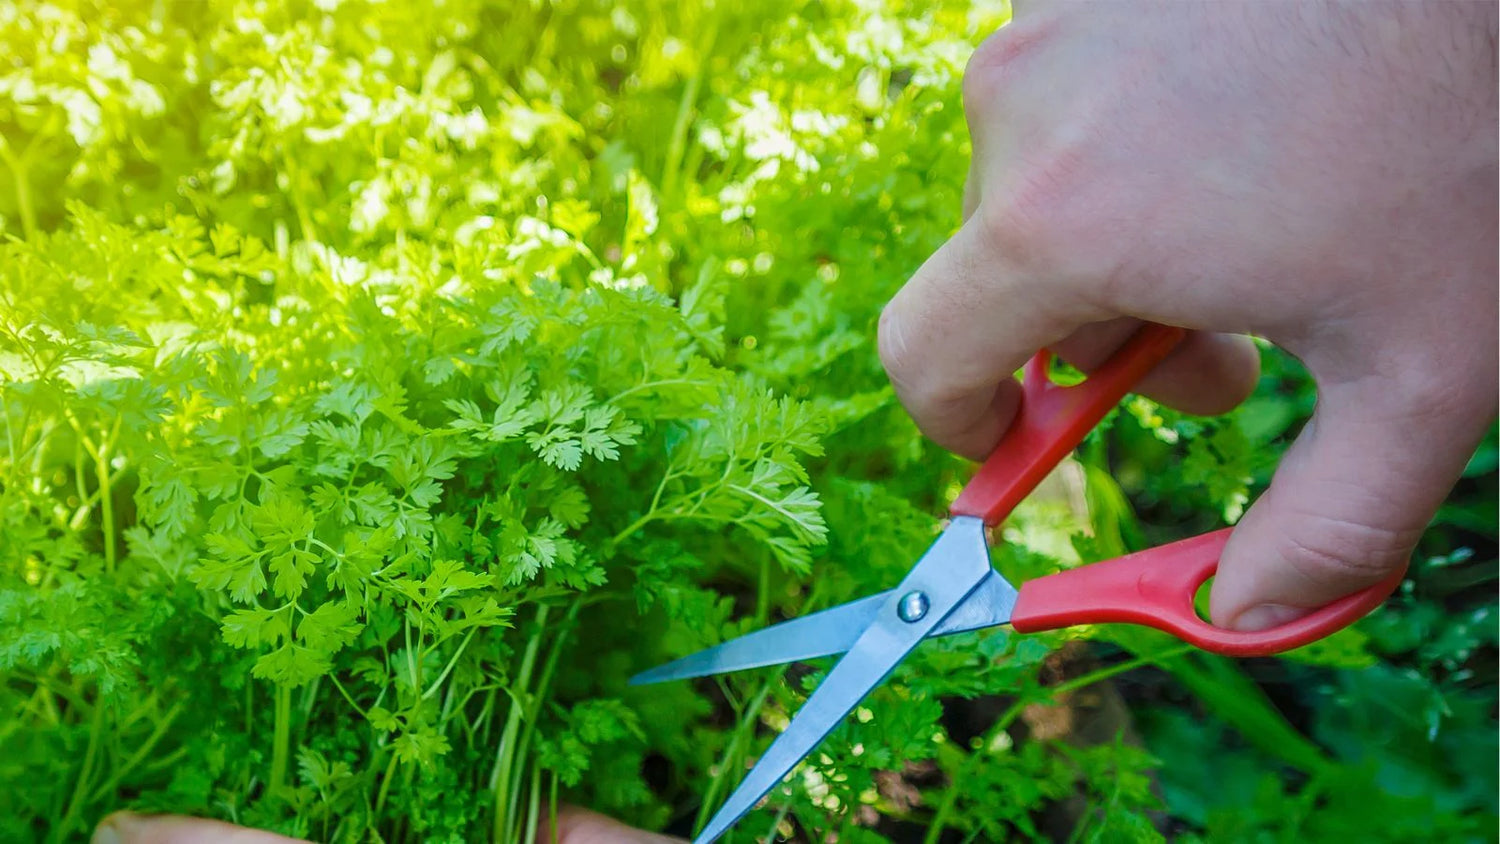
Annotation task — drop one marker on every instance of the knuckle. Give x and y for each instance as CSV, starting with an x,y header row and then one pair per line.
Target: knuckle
x,y
1052,222
891,344
1058,205
999,58
1327,549
1024,224
932,394
984,78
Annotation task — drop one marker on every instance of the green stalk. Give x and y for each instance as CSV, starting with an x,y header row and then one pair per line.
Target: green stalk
x,y
436,684
249,709
385,783
634,526
763,593
17,165
78,485
345,692
538,695
304,219
533,812
671,170
281,742
85,773
43,705
940,818
1223,687
106,499
309,700
505,755
552,809
53,688
10,446
164,763
776,821
745,729
738,745
141,752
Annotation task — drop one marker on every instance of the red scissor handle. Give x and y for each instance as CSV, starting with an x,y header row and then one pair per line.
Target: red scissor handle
x,y
1053,420
1156,588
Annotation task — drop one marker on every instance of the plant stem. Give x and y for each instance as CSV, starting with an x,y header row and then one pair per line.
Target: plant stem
x,y
78,472
1109,671
745,728
738,745
776,821
763,593
141,752
633,527
385,783
281,746
505,755
537,696
432,690
53,687
17,165
106,499
533,812
672,166
164,763
85,773
940,818
552,809
347,697
293,194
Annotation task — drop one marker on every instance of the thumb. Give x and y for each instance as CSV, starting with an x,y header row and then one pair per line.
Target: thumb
x,y
1348,502
576,826
130,828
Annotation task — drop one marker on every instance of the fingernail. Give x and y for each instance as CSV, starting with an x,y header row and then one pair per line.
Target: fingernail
x,y
109,830
1266,616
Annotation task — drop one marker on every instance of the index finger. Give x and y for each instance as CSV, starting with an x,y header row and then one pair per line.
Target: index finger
x,y
952,337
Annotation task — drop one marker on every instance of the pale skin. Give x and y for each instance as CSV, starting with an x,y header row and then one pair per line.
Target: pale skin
x,y
574,826
1321,175
1318,174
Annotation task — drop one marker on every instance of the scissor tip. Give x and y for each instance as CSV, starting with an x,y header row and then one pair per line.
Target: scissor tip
x,y
711,833
648,677
678,669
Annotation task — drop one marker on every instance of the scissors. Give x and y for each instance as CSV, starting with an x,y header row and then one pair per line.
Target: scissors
x,y
953,589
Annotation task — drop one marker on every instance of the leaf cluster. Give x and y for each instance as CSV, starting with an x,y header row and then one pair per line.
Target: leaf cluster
x,y
381,387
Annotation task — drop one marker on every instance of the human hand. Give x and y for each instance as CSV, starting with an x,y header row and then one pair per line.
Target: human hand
x,y
1319,174
574,826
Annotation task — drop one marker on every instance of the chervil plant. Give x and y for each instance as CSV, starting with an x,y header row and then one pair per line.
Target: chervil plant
x,y
382,384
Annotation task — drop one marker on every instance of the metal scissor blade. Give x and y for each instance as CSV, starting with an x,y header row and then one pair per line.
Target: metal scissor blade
x,y
831,631
955,565
991,603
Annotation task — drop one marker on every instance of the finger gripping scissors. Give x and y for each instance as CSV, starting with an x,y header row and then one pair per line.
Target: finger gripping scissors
x,y
953,589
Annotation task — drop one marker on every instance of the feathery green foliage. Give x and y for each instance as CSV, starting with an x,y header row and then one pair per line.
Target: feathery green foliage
x,y
383,383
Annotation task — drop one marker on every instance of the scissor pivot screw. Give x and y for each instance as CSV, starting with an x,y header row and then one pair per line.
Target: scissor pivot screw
x,y
913,606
